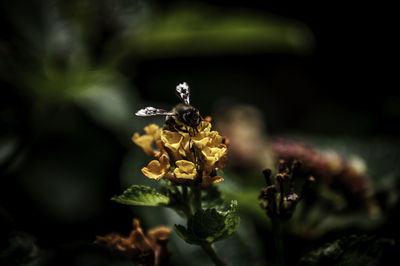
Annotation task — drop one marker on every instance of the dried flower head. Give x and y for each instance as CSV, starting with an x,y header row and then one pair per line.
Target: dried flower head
x,y
146,249
345,175
184,156
279,199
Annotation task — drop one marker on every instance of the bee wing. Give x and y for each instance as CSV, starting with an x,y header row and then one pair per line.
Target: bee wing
x,y
183,92
151,111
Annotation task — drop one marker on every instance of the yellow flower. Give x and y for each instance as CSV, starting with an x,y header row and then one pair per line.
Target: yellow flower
x,y
196,153
201,140
204,139
213,154
215,138
172,140
153,130
185,169
177,143
204,126
146,141
157,169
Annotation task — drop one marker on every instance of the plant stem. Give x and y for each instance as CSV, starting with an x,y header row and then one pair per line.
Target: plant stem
x,y
192,205
212,253
185,205
184,192
197,199
277,231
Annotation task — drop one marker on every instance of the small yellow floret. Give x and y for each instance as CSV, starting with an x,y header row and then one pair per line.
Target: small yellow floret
x,y
185,169
156,169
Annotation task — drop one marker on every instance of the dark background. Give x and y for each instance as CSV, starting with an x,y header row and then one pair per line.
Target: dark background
x,y
63,154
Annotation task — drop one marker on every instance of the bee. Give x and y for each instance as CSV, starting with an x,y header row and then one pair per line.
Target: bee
x,y
182,114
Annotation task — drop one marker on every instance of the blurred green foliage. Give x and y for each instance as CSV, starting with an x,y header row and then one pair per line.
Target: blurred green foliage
x,y
351,250
202,30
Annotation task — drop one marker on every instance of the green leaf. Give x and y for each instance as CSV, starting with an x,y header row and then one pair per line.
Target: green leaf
x,y
142,196
210,225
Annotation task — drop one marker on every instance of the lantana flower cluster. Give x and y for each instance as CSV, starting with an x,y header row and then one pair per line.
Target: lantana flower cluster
x,y
185,156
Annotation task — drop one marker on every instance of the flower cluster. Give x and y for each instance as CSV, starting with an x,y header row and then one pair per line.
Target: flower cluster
x,y
185,156
147,249
279,199
347,175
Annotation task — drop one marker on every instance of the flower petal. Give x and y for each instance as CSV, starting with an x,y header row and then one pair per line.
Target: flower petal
x,y
215,138
157,169
153,130
204,126
185,169
207,180
145,142
201,140
212,155
171,139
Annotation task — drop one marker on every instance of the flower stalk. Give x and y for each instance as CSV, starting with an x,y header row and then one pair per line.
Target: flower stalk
x,y
191,197
213,254
277,229
279,199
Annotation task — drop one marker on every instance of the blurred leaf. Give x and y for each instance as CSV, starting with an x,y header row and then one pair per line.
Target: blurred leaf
x,y
352,250
210,225
7,147
204,30
53,85
111,105
247,195
142,196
